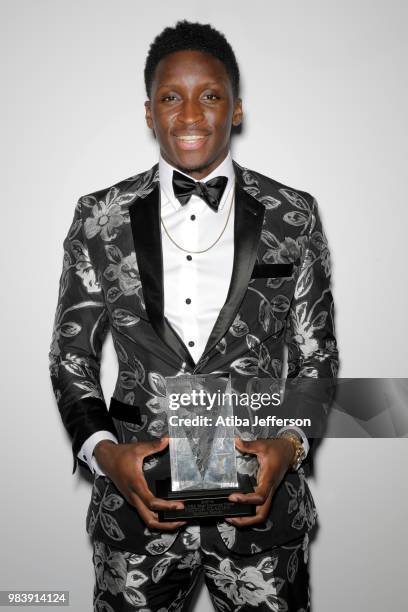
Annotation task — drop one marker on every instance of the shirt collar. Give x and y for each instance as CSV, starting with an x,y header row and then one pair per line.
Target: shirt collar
x,y
225,168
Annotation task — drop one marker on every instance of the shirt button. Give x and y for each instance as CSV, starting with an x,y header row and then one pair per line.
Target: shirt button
x,y
191,343
192,217
189,258
188,301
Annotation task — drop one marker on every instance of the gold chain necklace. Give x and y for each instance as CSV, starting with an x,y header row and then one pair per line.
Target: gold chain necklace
x,y
211,245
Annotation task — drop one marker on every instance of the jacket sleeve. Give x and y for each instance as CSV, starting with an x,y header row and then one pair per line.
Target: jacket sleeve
x,y
80,327
312,348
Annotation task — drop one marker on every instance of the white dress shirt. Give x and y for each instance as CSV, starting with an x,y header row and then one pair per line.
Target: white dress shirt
x,y
195,284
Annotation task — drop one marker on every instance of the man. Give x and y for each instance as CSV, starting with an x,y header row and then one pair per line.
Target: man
x,y
196,265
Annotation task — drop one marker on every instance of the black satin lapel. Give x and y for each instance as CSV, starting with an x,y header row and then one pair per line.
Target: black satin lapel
x,y
249,214
145,223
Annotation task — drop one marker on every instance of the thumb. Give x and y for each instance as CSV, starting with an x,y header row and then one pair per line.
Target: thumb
x,y
243,445
155,446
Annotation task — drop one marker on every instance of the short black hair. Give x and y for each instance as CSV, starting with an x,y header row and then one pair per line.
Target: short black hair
x,y
190,36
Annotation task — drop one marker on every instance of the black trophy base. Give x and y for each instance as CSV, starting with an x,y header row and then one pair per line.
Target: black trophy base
x,y
206,503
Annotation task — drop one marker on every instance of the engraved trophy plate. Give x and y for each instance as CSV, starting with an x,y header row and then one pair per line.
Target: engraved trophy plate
x,y
202,449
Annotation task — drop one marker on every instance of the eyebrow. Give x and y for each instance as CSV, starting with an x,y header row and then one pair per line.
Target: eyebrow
x,y
174,85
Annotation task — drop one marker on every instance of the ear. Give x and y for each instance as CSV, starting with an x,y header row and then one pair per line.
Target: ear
x,y
148,114
237,114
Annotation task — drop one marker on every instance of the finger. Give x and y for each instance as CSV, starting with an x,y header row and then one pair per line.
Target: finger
x,y
170,526
245,521
259,517
157,503
151,519
258,496
140,488
248,498
243,446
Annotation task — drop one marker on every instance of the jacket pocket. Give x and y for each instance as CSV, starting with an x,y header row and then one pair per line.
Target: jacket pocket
x,y
277,270
125,412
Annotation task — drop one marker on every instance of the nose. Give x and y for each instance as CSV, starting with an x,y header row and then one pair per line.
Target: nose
x,y
191,112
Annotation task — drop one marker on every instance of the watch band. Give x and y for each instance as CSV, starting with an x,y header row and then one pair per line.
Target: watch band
x,y
298,447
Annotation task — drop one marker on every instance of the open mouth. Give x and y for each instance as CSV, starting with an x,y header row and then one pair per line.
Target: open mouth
x,y
190,142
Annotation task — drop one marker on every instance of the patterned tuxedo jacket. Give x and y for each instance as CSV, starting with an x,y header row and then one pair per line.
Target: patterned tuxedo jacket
x,y
112,279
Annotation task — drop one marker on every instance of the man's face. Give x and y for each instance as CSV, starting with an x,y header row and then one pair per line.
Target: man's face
x,y
192,110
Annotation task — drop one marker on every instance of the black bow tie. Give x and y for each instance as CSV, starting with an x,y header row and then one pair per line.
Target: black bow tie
x,y
211,191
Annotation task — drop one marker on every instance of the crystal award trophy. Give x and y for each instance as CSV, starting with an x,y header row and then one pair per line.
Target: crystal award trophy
x,y
202,449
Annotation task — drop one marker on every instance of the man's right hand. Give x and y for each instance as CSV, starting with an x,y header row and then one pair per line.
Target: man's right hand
x,y
123,464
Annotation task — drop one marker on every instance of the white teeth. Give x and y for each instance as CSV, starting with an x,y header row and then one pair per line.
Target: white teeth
x,y
191,138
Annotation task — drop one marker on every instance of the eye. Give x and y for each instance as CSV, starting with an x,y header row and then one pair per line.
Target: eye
x,y
211,96
168,98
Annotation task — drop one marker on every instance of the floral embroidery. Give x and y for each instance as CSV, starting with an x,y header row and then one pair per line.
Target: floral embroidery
x,y
246,586
107,215
125,271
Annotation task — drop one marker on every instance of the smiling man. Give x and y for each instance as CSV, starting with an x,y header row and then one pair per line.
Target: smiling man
x,y
196,265
192,106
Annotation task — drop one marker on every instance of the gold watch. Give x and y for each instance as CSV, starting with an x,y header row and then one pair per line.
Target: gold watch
x,y
298,447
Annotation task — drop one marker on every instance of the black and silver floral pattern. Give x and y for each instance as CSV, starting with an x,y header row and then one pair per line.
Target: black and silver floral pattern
x,y
112,281
270,581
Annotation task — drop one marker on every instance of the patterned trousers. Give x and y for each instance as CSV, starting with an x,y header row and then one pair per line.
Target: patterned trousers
x,y
268,581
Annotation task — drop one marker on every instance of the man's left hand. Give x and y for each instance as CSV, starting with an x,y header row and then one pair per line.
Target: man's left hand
x,y
274,456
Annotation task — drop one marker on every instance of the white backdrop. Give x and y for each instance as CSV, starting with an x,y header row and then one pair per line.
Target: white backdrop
x,y
325,99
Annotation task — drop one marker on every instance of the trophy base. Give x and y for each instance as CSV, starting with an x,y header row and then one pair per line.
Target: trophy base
x,y
204,503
